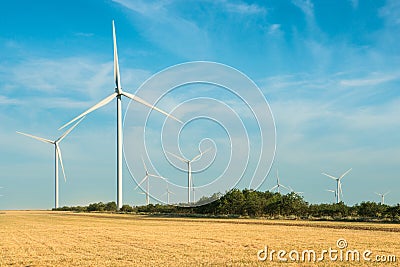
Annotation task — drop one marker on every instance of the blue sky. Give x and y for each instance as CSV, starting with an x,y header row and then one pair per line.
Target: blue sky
x,y
330,71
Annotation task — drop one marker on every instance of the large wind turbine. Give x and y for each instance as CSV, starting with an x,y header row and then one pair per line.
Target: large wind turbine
x,y
382,197
147,177
57,156
118,94
189,164
278,184
338,184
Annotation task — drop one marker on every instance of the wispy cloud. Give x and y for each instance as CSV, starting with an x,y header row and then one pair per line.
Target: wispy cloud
x,y
374,79
84,34
306,6
4,100
167,29
243,8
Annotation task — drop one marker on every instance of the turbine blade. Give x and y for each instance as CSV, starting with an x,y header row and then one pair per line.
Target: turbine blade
x,y
138,99
277,176
144,179
284,187
201,154
69,130
345,173
181,159
103,102
61,162
340,188
330,176
273,188
37,138
156,176
116,65
386,193
144,165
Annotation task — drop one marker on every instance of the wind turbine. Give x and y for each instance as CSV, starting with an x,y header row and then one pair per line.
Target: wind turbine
x,y
57,156
168,193
118,94
338,184
189,164
278,185
333,191
382,197
146,177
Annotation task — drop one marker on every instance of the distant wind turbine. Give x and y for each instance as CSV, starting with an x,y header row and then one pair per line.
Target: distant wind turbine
x,y
189,164
57,156
332,191
118,94
168,193
278,184
147,178
338,184
382,197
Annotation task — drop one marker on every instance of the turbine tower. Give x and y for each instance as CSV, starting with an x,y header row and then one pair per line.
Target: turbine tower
x,y
118,94
338,184
189,165
382,197
57,156
147,178
278,184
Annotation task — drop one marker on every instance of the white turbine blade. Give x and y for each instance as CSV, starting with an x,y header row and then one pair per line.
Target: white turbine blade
x,y
273,188
377,193
181,159
61,162
103,102
144,165
201,154
37,138
144,179
69,130
157,176
116,65
277,176
284,187
345,173
340,188
138,99
330,190
386,193
330,176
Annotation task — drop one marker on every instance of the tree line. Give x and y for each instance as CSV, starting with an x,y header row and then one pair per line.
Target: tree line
x,y
252,203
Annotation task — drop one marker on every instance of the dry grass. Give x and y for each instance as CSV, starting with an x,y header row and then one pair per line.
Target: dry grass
x,y
43,238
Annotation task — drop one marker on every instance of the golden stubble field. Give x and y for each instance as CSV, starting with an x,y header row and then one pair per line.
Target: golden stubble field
x,y
45,238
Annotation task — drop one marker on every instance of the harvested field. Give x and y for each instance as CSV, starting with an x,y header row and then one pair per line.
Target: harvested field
x,y
45,238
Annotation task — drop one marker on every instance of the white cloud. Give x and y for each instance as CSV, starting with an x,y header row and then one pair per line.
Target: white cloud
x,y
243,8
306,6
374,79
167,29
4,100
